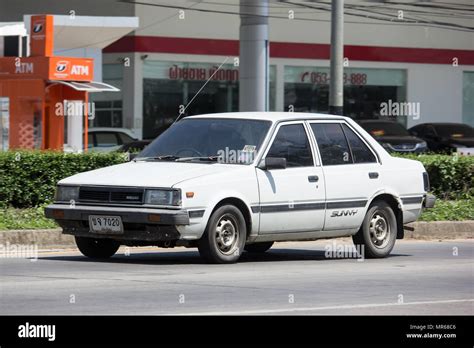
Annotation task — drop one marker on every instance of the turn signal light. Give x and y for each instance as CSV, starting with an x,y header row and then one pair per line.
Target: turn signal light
x,y
189,194
154,217
58,214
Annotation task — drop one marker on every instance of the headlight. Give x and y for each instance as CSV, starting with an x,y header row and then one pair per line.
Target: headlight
x,y
421,145
67,193
163,197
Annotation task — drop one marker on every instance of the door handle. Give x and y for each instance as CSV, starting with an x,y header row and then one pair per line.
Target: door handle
x,y
313,178
373,175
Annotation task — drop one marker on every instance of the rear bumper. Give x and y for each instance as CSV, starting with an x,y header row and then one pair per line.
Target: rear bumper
x,y
429,201
140,224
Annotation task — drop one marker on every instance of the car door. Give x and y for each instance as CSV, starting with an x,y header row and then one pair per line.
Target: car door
x,y
352,173
291,199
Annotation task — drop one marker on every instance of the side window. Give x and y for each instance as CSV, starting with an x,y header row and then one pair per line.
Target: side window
x,y
360,152
332,143
291,142
124,138
106,139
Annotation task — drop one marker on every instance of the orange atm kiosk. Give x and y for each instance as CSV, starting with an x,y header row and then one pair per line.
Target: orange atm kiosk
x,y
35,90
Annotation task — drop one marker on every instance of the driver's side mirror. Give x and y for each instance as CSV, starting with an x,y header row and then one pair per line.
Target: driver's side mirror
x,y
270,163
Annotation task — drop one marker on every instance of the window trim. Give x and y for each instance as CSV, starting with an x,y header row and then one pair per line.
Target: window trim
x,y
340,122
274,134
363,142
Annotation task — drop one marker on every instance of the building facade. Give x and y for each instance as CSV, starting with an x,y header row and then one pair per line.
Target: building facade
x,y
421,71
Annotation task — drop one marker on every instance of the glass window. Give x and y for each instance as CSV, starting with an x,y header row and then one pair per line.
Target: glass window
x,y
307,90
292,143
90,140
124,138
360,152
105,139
332,143
468,98
229,139
169,86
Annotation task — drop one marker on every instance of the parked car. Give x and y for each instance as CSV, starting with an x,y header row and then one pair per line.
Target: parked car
x,y
445,137
393,136
226,183
105,139
134,146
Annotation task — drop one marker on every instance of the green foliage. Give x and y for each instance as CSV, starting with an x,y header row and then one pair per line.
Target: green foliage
x,y
451,176
19,219
28,178
450,211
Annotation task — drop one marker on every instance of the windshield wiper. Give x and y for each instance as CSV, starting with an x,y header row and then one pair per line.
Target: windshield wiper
x,y
158,158
202,158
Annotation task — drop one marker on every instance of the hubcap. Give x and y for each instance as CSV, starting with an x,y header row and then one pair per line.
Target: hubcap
x,y
227,234
379,230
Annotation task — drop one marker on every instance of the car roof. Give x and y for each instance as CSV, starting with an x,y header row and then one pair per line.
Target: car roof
x,y
273,116
442,124
112,130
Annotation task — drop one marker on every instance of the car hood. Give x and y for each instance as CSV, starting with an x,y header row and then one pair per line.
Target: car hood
x,y
148,174
399,139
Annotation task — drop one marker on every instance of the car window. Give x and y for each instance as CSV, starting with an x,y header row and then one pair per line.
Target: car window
x,y
360,152
332,143
124,138
106,139
291,142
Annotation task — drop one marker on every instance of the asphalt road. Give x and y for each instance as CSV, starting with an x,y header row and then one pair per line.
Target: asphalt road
x,y
420,277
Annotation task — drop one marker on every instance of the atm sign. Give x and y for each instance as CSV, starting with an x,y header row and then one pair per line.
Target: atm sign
x,y
73,69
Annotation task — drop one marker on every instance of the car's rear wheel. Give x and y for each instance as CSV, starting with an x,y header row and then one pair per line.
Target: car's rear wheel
x,y
378,232
224,238
258,247
97,248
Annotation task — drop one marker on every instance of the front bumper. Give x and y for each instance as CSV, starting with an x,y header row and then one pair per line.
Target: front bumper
x,y
139,224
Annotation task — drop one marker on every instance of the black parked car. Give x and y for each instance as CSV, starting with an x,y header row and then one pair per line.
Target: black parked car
x,y
445,137
393,136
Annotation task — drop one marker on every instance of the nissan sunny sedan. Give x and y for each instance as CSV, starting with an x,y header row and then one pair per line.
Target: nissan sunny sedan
x,y
226,183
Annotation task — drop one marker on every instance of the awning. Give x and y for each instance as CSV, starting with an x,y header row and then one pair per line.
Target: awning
x,y
89,86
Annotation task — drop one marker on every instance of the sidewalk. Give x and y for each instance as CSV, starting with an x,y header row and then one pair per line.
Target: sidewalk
x,y
53,238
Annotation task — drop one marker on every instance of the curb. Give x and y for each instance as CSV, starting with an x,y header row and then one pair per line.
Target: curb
x,y
53,238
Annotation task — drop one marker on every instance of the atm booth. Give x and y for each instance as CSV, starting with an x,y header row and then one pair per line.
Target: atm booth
x,y
44,99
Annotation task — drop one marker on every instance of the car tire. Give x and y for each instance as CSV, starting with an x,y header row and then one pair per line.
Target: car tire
x,y
258,247
97,248
225,235
378,232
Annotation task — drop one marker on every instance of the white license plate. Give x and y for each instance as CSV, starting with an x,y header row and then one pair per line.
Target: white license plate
x,y
105,224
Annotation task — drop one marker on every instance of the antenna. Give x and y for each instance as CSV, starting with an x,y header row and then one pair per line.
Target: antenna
x,y
204,85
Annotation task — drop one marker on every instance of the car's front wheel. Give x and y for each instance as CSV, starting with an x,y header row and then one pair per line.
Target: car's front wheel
x,y
224,238
378,232
97,248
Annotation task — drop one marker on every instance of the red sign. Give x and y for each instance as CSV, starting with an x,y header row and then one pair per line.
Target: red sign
x,y
178,73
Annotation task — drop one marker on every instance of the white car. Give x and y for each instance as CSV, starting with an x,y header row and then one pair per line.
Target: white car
x,y
226,183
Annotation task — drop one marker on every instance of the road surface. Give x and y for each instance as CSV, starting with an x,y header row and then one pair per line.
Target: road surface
x,y
420,277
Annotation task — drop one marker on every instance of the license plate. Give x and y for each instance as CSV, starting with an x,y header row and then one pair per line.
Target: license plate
x,y
105,224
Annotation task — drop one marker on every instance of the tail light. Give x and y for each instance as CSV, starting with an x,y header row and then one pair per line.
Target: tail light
x,y
426,182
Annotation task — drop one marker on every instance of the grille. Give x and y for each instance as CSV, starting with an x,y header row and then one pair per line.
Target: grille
x,y
103,194
404,147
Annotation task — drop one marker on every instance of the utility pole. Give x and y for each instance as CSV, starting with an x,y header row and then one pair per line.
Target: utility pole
x,y
336,87
253,61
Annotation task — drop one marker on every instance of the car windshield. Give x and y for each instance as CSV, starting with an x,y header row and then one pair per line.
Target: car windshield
x,y
380,129
221,140
455,131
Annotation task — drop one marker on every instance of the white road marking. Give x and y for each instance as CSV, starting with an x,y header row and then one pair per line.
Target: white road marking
x,y
306,309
